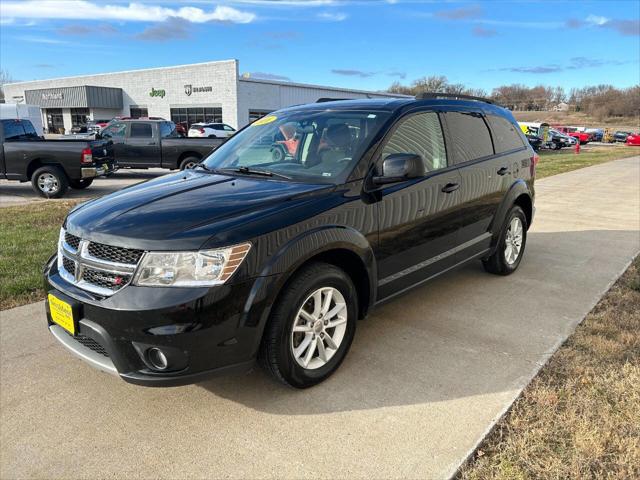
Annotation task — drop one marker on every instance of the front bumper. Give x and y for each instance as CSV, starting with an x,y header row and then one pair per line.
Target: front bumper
x,y
202,331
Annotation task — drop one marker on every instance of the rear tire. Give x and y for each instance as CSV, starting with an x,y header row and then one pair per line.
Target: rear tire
x,y
50,181
81,183
189,162
511,244
322,337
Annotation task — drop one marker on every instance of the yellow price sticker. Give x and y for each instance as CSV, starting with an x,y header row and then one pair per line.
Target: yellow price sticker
x,y
264,120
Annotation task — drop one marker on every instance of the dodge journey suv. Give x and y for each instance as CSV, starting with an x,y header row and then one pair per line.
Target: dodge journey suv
x,y
278,242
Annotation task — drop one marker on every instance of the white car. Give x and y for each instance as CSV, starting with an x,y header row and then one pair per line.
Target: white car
x,y
211,130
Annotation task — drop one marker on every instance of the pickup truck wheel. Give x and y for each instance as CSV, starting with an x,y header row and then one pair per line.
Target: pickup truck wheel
x,y
311,326
189,162
510,249
50,182
81,183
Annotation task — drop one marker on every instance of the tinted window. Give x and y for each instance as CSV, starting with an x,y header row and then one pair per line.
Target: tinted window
x,y
12,130
29,130
420,134
141,130
470,137
505,134
115,130
167,130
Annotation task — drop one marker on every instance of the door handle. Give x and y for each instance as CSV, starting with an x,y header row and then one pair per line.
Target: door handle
x,y
151,143
450,187
503,171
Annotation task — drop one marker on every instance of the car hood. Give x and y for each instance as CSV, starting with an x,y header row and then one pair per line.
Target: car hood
x,y
191,209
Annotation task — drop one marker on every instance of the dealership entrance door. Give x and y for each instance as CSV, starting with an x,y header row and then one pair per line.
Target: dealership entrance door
x,y
55,123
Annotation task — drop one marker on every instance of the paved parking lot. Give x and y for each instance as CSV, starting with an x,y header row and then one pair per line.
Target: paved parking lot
x,y
428,374
16,193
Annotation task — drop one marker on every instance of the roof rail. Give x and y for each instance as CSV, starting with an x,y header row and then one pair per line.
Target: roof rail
x,y
453,96
327,99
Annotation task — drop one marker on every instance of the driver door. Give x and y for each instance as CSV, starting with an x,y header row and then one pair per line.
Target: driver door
x,y
417,217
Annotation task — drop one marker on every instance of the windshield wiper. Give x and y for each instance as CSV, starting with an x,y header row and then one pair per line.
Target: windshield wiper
x,y
253,171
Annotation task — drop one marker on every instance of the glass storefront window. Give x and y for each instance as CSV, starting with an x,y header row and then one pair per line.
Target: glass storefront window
x,y
79,116
138,111
188,116
55,122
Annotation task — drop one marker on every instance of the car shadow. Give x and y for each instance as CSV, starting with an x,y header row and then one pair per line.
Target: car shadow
x,y
465,333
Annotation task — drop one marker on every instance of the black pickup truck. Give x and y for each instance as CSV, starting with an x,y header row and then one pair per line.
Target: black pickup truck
x,y
155,144
52,166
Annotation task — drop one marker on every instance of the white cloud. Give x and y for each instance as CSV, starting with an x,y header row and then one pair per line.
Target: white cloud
x,y
135,12
333,17
597,20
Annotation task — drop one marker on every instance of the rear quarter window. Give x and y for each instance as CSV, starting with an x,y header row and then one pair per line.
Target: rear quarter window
x,y
12,130
469,136
505,134
141,130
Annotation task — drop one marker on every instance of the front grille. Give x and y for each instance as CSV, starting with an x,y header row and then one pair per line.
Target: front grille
x,y
115,254
95,267
91,344
72,240
110,280
69,265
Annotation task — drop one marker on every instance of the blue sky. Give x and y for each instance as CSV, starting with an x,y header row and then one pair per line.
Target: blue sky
x,y
364,44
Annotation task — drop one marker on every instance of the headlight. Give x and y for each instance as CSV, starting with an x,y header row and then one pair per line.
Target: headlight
x,y
190,269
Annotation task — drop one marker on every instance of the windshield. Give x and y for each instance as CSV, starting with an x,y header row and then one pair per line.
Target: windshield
x,y
310,146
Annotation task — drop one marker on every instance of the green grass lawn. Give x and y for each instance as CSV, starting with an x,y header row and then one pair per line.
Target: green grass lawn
x,y
27,239
553,162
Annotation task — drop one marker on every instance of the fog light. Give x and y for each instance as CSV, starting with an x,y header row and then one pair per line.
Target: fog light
x,y
157,358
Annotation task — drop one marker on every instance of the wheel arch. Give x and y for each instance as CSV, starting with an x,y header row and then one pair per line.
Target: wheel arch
x,y
185,155
343,247
518,194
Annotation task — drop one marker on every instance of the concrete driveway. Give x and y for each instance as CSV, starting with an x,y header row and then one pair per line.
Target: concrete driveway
x,y
16,193
427,377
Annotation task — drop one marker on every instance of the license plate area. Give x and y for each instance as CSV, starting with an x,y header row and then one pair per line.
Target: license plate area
x,y
64,312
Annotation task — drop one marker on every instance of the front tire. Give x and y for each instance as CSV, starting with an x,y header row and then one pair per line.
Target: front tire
x,y
81,183
50,182
189,162
513,238
311,327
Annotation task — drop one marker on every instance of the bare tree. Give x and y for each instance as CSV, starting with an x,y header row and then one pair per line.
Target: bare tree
x,y
5,77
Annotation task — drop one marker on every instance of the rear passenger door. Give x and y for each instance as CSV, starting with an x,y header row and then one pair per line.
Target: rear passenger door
x,y
143,145
417,218
486,175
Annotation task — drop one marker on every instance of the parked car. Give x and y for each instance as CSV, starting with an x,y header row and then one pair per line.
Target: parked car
x,y
582,137
211,130
621,136
561,140
534,141
597,134
155,144
52,166
633,139
78,129
94,126
199,272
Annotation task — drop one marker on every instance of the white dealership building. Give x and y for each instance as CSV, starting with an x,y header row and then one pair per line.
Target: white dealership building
x,y
211,91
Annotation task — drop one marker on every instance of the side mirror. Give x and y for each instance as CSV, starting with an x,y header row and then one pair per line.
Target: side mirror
x,y
399,167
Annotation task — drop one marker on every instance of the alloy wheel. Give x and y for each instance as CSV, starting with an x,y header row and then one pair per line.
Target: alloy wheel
x,y
513,241
48,183
319,328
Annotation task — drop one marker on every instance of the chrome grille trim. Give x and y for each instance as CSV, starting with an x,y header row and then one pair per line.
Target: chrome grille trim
x,y
84,261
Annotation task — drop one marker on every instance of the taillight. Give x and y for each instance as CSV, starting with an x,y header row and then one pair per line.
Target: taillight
x,y
534,163
201,130
87,156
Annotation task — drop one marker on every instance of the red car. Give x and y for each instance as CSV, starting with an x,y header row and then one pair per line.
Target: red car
x,y
582,137
633,139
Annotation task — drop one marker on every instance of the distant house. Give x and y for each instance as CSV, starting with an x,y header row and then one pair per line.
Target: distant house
x,y
561,107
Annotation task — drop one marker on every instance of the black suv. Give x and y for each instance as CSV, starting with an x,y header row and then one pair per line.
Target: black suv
x,y
256,254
